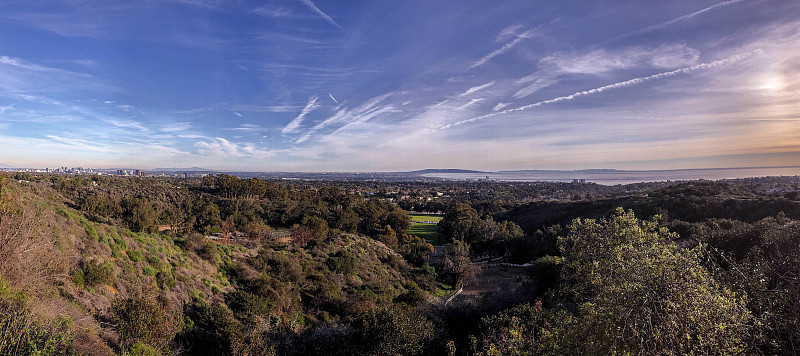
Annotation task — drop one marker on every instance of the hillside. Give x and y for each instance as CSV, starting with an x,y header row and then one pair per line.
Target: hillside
x,y
91,287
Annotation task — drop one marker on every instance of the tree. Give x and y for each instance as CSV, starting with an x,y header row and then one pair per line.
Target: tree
x,y
524,330
318,226
215,331
208,217
398,219
394,331
461,222
414,249
637,292
258,233
138,214
301,235
456,263
762,260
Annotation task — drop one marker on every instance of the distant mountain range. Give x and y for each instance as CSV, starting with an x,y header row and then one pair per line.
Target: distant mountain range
x,y
6,166
557,170
439,171
191,169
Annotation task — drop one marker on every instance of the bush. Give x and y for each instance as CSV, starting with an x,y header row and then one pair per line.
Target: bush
x,y
135,255
194,242
95,273
165,280
342,262
145,320
140,349
637,292
415,296
78,278
396,331
215,330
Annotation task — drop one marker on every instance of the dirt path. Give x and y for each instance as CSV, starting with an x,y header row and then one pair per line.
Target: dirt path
x,y
495,278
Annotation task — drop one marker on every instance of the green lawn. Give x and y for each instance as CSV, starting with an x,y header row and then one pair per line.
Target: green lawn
x,y
425,231
420,217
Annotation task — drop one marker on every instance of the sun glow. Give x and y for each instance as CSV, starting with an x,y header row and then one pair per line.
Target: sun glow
x,y
771,82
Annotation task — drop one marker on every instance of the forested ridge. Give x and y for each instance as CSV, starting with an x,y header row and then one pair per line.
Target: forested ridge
x,y
226,266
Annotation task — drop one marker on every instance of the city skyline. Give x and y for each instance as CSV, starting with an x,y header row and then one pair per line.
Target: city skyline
x,y
372,86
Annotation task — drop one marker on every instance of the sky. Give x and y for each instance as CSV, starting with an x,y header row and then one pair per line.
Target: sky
x,y
323,85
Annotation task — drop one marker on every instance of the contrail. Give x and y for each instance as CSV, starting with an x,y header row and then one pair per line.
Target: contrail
x,y
295,124
506,47
634,81
313,7
332,98
477,88
677,19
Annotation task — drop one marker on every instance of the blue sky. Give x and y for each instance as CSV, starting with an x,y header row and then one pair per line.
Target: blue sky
x,y
320,85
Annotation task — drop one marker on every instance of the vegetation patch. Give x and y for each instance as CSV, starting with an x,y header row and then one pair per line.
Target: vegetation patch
x,y
425,226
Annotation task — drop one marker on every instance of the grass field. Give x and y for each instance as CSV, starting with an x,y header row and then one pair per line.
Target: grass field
x,y
425,231
421,217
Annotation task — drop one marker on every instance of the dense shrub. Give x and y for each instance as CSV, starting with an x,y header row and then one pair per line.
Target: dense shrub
x,y
95,273
343,262
389,332
143,319
637,292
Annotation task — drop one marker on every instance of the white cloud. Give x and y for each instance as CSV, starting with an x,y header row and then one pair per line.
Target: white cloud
x,y
627,83
476,88
500,106
167,150
79,143
128,124
176,126
20,76
221,148
17,62
602,61
253,152
247,128
272,11
255,108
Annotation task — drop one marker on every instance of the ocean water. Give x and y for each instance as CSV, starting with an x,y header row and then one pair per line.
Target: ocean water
x,y
613,177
